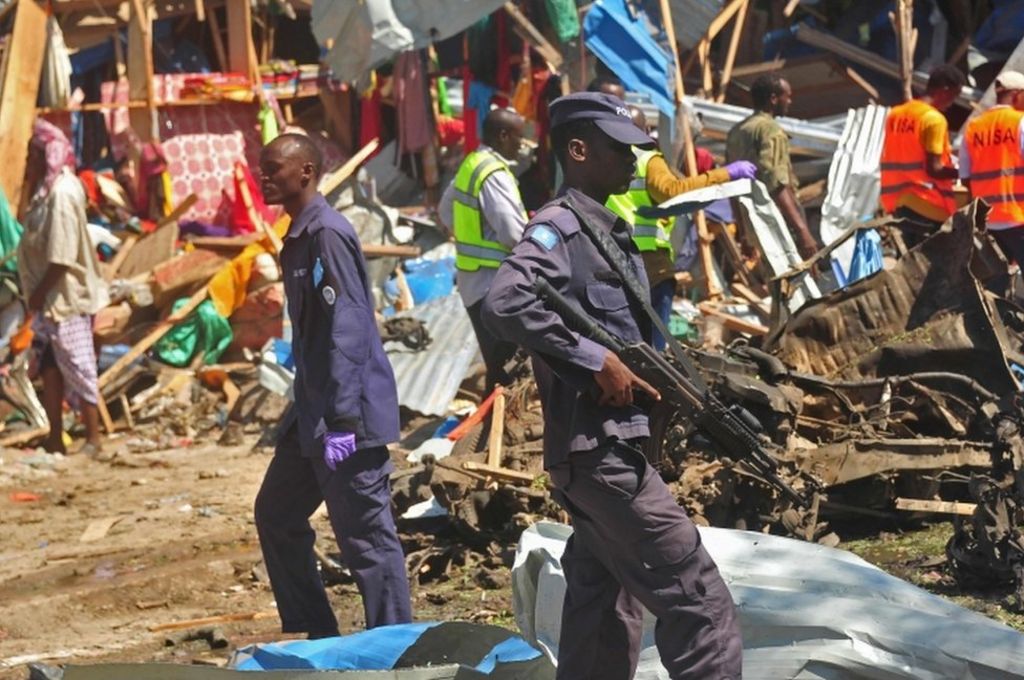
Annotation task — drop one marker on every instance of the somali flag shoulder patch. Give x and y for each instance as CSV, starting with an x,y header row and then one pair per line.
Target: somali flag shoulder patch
x,y
544,236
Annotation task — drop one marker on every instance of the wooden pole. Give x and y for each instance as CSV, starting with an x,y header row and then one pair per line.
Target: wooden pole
x,y
494,441
140,70
18,92
734,44
218,40
329,183
714,288
906,40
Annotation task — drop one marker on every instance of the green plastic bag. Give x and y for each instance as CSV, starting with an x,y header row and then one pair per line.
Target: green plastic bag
x,y
10,234
564,18
268,124
203,329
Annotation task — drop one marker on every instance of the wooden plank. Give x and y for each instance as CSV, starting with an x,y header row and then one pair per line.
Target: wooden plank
x,y
329,183
126,407
722,19
140,69
153,336
499,472
927,505
497,434
388,250
23,437
731,322
150,251
212,620
528,32
241,50
756,301
98,528
734,45
18,93
110,271
224,241
218,40
713,287
101,406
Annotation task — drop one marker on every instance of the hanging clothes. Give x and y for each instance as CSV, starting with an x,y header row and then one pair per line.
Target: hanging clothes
x,y
564,18
369,113
414,118
55,84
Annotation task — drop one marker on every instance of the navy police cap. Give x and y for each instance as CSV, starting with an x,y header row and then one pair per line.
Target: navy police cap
x,y
608,112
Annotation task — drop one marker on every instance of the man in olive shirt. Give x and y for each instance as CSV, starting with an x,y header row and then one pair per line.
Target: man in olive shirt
x,y
759,138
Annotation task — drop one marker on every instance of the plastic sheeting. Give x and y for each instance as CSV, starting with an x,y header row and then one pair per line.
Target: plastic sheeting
x,y
776,242
806,612
853,179
366,34
490,650
620,37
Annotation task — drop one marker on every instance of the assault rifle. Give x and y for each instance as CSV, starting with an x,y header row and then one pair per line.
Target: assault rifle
x,y
732,431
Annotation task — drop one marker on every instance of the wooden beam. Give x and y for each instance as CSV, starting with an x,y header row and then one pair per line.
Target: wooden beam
x,y
497,434
734,45
499,472
140,70
928,505
218,40
720,21
241,50
714,288
906,40
254,216
162,328
528,32
733,323
329,183
20,87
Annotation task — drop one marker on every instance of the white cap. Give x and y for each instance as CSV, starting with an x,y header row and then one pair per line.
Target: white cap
x,y
1010,80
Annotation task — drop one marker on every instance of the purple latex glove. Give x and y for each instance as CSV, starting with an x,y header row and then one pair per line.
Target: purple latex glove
x,y
741,170
337,447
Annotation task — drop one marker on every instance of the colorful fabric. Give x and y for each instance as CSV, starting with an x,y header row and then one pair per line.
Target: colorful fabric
x,y
228,288
10,234
55,144
73,349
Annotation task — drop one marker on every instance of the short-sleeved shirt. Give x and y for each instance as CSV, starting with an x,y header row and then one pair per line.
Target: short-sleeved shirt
x,y
56,232
759,138
934,137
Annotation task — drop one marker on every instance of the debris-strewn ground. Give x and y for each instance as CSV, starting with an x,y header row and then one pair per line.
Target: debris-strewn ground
x,y
185,547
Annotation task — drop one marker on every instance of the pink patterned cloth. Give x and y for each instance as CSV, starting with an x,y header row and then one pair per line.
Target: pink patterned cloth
x,y
54,143
72,345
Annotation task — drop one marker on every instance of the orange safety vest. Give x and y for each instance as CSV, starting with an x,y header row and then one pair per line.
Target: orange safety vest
x,y
904,160
997,169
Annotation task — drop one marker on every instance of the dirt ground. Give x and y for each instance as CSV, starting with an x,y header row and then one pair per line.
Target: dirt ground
x,y
181,544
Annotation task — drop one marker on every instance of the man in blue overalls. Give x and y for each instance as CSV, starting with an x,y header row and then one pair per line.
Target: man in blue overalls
x,y
632,545
332,444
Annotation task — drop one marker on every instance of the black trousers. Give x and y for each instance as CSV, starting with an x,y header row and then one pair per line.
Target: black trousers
x,y
633,546
920,228
496,352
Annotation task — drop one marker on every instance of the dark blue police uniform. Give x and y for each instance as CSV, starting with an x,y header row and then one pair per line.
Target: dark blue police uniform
x,y
633,546
343,383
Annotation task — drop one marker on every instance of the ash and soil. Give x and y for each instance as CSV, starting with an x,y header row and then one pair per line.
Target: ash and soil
x,y
185,547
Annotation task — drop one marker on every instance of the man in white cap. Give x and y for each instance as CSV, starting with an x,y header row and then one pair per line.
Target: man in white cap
x,y
992,163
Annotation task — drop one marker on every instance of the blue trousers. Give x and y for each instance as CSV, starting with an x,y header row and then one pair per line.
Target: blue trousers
x,y
661,299
358,501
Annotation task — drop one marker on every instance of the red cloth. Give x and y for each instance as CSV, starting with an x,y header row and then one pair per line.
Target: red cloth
x,y
451,131
705,161
411,103
241,223
468,114
152,162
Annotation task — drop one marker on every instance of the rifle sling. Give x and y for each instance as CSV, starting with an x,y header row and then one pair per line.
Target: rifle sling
x,y
614,256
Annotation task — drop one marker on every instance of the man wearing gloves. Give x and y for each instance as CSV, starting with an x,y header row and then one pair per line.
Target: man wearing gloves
x,y
655,183
332,443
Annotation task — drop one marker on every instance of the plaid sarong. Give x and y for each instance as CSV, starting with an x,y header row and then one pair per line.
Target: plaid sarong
x,y
73,349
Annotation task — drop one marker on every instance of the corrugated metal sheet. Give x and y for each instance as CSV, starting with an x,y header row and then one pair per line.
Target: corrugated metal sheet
x,y
853,178
691,19
428,380
810,138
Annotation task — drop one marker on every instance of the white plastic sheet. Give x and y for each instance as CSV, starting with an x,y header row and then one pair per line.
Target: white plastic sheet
x,y
806,611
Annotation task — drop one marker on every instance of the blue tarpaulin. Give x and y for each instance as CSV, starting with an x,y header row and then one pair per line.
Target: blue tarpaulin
x,y
491,650
620,37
